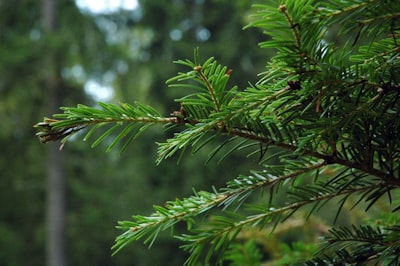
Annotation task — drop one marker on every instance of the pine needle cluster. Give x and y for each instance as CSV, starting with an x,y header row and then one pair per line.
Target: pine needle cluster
x,y
328,107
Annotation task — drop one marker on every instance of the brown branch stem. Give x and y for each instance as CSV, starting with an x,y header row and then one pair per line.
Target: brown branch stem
x,y
209,87
292,25
328,158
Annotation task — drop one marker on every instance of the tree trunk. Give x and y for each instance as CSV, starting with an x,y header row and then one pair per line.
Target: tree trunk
x,y
55,207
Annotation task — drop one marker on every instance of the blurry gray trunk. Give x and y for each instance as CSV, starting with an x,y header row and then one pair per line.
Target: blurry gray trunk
x,y
55,191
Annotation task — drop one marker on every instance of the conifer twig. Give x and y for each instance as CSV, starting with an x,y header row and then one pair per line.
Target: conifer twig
x,y
209,86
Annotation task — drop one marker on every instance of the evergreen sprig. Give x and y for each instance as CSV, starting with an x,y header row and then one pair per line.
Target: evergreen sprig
x,y
133,119
360,244
323,120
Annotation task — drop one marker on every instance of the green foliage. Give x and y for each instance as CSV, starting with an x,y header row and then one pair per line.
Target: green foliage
x,y
358,245
323,122
243,254
72,120
296,252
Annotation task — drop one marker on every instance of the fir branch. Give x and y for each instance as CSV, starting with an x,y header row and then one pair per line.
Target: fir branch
x,y
349,9
338,110
359,245
328,158
185,209
224,229
75,119
379,18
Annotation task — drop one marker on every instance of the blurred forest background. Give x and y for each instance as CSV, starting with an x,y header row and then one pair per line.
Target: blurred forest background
x,y
55,53
61,207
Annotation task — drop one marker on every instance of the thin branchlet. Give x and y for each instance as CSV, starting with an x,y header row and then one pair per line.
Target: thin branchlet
x,y
209,86
292,25
49,131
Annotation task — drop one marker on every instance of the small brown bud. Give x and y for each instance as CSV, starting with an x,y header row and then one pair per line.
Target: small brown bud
x,y
294,85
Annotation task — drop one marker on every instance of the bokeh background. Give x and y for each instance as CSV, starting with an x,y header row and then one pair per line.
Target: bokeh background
x,y
61,207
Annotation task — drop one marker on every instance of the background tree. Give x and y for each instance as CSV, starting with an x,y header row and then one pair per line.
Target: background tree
x,y
36,56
